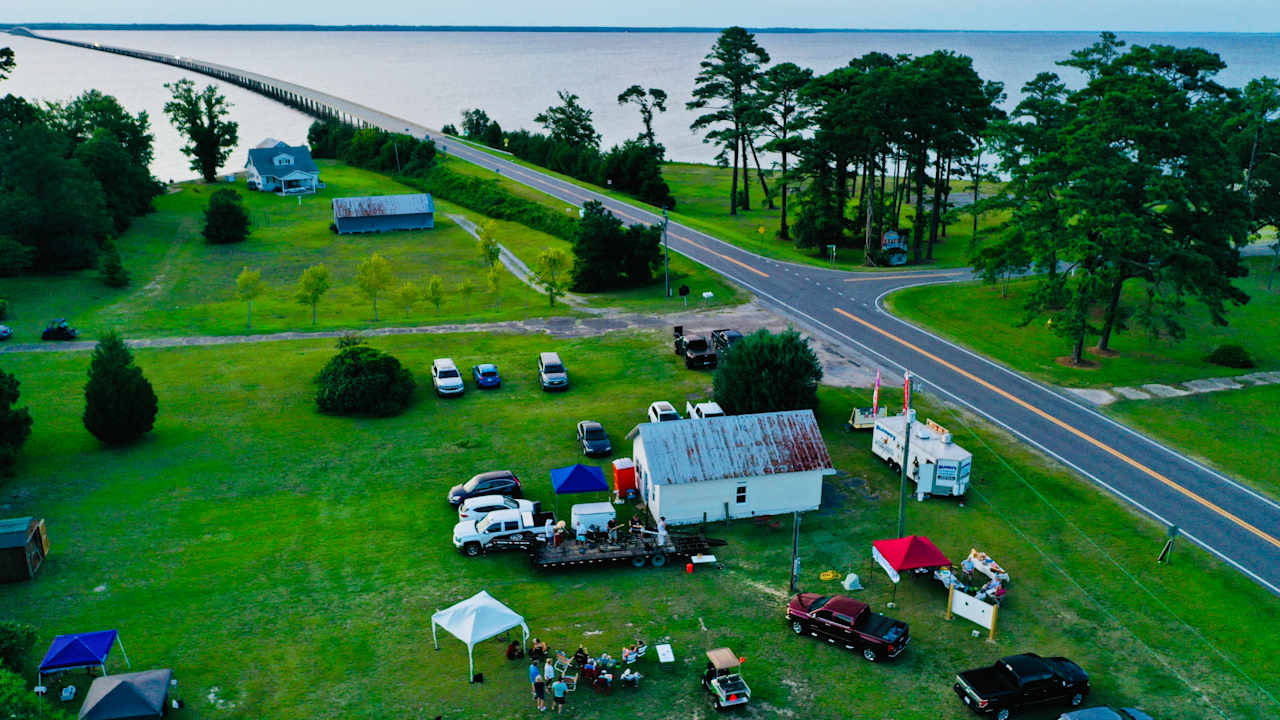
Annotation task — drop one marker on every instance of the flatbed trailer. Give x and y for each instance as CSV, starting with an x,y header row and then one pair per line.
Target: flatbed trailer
x,y
638,550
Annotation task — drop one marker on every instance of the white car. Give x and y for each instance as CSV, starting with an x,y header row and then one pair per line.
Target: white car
x,y
662,411
703,410
481,505
446,378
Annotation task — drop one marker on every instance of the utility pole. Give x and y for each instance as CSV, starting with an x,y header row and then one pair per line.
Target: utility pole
x,y
795,550
1275,260
907,413
666,272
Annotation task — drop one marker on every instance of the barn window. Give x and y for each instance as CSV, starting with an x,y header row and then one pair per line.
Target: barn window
x,y
742,494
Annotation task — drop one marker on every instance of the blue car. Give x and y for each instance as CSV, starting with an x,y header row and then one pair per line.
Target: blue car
x,y
486,375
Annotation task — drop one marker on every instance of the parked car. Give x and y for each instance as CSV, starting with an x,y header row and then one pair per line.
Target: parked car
x,y
723,681
593,439
703,410
486,376
1105,713
723,339
59,330
551,372
498,482
662,411
474,508
6,332
695,349
446,378
1021,680
847,622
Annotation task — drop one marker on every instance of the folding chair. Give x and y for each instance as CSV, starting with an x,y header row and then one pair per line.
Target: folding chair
x,y
571,681
562,662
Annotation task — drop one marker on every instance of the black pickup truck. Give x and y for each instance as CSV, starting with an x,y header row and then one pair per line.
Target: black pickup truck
x,y
695,349
847,622
1021,680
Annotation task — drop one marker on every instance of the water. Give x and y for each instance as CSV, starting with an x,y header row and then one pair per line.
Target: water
x,y
431,77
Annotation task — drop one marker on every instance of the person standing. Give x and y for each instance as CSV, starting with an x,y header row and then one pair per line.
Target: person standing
x,y
558,692
540,693
662,530
533,676
549,670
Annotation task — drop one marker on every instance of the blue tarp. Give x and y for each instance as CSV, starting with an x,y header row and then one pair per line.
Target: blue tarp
x,y
77,651
578,479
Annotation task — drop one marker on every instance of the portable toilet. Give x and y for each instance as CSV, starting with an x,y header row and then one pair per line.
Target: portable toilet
x,y
624,477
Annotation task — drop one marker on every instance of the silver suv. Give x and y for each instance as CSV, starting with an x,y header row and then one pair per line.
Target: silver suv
x,y
446,378
551,372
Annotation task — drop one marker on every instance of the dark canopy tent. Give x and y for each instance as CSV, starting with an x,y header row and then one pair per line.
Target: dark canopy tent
x,y
127,696
577,479
81,650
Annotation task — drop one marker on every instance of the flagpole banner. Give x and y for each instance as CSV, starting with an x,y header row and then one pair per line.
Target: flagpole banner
x,y
906,393
875,398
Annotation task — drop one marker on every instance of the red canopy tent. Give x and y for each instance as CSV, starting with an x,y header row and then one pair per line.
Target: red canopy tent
x,y
907,553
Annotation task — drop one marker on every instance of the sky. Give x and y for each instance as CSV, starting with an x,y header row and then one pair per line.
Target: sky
x,y
1121,15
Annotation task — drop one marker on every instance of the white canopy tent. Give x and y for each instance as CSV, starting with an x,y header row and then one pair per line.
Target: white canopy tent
x,y
475,620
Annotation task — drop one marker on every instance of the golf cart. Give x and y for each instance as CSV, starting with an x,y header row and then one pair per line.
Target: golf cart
x,y
58,330
722,680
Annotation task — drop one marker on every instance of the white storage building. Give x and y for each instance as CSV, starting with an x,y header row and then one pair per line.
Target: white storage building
x,y
738,465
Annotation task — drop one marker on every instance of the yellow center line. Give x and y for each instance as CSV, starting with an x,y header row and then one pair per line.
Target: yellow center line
x,y
1069,428
894,277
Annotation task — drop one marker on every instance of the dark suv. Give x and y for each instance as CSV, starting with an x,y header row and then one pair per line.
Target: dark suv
x,y
498,482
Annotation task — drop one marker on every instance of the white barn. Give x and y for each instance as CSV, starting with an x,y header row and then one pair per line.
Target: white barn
x,y
739,466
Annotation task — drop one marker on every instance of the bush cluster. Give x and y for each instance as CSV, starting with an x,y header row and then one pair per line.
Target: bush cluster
x,y
360,380
632,167
371,148
768,372
1232,356
120,404
608,256
225,219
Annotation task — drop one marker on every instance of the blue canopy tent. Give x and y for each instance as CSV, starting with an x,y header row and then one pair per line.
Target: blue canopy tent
x,y
577,479
81,650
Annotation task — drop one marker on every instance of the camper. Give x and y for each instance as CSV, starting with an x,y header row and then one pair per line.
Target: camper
x,y
937,465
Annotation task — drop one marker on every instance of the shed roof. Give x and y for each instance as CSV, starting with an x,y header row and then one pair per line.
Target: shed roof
x,y
15,531
261,159
734,446
379,205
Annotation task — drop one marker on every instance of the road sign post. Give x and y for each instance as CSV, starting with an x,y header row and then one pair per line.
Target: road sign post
x,y
1167,551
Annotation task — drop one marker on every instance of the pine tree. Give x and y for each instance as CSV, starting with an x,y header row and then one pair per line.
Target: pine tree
x,y
113,273
120,404
15,423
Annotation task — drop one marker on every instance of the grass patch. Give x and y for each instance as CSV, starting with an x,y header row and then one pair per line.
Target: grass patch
x,y
292,560
1211,426
1142,359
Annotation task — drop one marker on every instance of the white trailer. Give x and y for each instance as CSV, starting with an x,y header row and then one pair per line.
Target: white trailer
x,y
937,465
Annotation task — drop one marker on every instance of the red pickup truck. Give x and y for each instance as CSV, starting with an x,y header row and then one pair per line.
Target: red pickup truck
x,y
844,621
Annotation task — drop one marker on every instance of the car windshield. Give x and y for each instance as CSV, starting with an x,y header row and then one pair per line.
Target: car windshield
x,y
595,433
553,368
471,484
697,345
817,604
448,373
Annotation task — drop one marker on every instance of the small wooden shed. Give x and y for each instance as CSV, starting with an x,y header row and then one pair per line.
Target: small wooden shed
x,y
23,545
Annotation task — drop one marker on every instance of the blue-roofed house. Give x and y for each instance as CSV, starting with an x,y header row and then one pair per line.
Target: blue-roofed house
x,y
282,168
380,213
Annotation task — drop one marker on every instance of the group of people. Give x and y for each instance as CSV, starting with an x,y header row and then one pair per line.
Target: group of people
x,y
559,533
599,671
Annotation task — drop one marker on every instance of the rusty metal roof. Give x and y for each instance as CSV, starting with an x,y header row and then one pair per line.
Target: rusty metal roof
x,y
735,446
379,205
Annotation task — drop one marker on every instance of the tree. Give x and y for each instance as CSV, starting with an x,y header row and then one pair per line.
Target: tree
x,y
784,119
127,186
360,380
466,288
373,277
120,404
607,256
312,285
225,219
723,87
111,267
406,296
648,102
435,291
553,265
249,287
475,123
93,112
490,250
15,423
16,641
768,372
7,62
17,702
493,280
569,122
201,117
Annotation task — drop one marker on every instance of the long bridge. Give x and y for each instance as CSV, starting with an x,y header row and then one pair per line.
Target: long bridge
x,y
1230,520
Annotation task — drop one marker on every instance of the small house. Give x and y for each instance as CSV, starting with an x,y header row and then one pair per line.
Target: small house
x,y
384,212
282,168
731,467
23,546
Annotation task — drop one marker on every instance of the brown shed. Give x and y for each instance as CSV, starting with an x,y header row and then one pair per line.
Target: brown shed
x,y
23,545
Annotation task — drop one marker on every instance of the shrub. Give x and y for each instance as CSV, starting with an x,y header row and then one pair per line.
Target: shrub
x,y
112,269
225,219
17,702
608,256
1232,356
16,641
15,423
360,380
120,404
768,373
488,198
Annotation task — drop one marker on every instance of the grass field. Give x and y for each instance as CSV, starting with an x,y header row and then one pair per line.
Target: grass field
x,y
1222,429
1034,349
291,560
183,286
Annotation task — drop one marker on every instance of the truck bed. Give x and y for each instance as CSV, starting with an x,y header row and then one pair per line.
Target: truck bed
x,y
989,682
883,627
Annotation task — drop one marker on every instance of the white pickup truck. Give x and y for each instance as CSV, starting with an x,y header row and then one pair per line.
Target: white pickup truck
x,y
703,410
501,528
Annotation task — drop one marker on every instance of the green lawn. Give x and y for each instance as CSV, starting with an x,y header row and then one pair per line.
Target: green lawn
x,y
292,560
1210,427
1034,349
